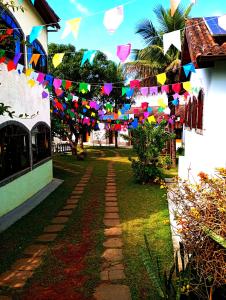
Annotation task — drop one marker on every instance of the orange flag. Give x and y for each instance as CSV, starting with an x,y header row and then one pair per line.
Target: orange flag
x,y
174,5
34,59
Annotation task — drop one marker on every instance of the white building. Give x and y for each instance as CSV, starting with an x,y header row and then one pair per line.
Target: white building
x,y
204,133
25,143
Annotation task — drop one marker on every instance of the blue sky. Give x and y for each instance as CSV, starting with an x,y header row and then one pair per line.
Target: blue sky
x,y
94,36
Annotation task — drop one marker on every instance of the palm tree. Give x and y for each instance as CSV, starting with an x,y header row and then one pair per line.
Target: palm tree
x,y
151,60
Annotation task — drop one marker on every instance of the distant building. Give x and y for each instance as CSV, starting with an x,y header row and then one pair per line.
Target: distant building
x,y
204,132
25,143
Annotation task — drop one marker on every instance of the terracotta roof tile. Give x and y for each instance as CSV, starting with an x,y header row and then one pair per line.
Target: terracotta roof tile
x,y
201,44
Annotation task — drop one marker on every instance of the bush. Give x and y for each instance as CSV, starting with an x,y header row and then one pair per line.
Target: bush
x,y
148,142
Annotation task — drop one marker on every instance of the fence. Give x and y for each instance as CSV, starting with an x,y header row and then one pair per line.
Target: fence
x,y
61,148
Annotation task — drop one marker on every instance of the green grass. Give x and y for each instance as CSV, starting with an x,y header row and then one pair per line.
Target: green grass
x,y
143,210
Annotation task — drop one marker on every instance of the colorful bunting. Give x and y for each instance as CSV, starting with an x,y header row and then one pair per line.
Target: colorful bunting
x,y
113,18
165,89
88,56
57,83
172,38
72,26
17,58
44,95
11,65
123,51
57,59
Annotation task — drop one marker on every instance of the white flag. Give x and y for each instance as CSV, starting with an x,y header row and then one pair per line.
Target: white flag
x,y
174,5
113,18
172,38
72,26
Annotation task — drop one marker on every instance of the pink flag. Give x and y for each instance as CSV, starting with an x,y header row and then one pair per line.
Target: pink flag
x,y
57,83
135,84
107,88
123,51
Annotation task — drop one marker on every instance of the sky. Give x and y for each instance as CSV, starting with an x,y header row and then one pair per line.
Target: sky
x,y
94,36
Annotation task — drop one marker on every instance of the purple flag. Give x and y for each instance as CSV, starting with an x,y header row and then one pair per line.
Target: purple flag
x,y
153,90
44,95
144,91
17,58
108,88
123,51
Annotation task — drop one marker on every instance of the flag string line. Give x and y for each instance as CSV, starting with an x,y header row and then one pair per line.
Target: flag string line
x,y
73,52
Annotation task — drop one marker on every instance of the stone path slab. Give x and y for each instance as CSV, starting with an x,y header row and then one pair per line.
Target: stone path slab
x,y
54,228
65,213
27,264
111,209
111,204
111,215
36,250
113,243
113,231
15,279
60,220
107,291
47,237
111,222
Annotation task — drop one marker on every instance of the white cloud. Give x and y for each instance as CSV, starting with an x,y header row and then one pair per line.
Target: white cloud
x,y
81,8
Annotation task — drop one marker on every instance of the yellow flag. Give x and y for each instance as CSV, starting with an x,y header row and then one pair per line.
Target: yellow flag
x,y
161,78
31,82
187,86
73,27
161,103
34,59
151,119
93,114
28,72
174,5
57,59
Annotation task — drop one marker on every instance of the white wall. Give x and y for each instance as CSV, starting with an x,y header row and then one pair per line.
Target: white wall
x,y
30,18
15,92
207,151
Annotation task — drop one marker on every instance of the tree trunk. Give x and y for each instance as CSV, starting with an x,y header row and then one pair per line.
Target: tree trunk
x,y
116,139
81,142
74,145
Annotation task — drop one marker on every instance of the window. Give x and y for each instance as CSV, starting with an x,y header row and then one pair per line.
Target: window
x,y
14,150
36,48
200,110
12,44
41,142
194,112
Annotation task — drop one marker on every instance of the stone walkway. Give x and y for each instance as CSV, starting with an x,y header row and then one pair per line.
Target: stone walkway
x,y
112,268
24,268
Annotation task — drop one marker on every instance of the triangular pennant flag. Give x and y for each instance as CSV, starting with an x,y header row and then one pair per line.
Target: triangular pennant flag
x,y
31,82
44,95
165,88
188,69
20,69
28,72
17,58
41,77
176,87
123,51
11,65
35,32
57,83
172,38
68,84
124,89
174,5
57,59
151,119
84,87
72,26
2,53
107,88
34,59
144,91
88,55
135,84
154,90
161,78
113,18
187,86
